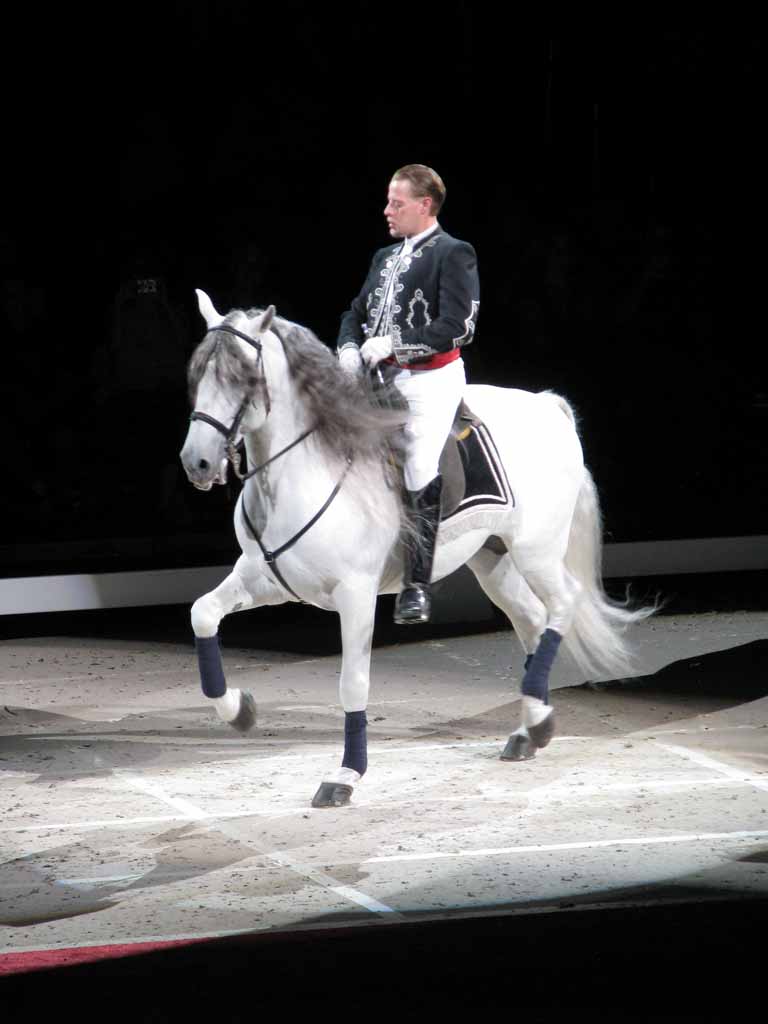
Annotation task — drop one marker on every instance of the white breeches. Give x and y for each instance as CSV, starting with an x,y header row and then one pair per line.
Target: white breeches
x,y
433,397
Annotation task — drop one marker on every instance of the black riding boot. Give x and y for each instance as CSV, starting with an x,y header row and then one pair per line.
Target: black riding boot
x,y
414,603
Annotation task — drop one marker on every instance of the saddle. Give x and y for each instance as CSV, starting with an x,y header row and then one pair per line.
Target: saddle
x,y
470,467
472,472
453,459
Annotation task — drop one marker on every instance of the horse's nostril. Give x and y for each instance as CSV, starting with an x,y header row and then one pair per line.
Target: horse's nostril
x,y
203,464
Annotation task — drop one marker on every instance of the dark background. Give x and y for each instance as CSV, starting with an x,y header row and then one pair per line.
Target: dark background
x,y
149,149
153,150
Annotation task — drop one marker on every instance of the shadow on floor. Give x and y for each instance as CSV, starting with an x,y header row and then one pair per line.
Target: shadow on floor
x,y
738,672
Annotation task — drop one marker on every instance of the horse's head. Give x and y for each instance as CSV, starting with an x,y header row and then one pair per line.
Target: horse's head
x,y
228,391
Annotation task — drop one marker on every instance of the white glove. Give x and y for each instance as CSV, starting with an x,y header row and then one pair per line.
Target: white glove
x,y
376,349
350,360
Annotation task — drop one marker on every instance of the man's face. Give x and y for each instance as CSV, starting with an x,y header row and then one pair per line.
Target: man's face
x,y
406,214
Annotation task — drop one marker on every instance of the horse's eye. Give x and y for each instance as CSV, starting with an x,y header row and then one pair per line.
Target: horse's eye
x,y
252,382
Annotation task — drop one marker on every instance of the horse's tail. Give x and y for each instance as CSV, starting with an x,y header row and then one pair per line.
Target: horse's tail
x,y
595,638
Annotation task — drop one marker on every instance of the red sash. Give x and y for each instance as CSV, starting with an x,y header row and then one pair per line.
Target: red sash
x,y
438,360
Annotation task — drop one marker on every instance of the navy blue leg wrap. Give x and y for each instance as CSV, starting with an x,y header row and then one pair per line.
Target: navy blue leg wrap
x,y
209,661
536,678
355,741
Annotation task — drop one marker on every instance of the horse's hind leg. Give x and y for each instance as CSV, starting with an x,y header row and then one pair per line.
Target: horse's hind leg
x,y
240,590
356,606
558,592
508,590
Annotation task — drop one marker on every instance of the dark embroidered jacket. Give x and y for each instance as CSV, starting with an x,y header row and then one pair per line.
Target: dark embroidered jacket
x,y
427,301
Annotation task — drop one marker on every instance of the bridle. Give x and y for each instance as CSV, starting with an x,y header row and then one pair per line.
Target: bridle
x,y
230,432
233,456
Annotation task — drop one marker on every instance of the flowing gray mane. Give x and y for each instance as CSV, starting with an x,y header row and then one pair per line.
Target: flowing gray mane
x,y
349,418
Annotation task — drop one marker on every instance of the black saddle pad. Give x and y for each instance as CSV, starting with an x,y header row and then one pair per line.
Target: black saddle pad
x,y
472,473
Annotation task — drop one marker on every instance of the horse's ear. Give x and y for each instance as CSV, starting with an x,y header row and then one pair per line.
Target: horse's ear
x,y
207,310
265,321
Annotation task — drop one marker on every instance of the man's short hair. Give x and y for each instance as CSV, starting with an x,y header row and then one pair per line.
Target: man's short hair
x,y
424,182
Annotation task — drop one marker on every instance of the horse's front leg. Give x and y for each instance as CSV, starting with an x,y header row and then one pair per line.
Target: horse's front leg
x,y
357,609
242,589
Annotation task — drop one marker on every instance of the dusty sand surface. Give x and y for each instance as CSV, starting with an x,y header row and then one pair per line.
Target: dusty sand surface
x,y
131,815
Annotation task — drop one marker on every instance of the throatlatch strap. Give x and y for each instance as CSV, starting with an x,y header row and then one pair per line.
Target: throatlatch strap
x,y
536,678
355,741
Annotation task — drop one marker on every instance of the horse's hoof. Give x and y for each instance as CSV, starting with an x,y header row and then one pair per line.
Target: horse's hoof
x,y
246,716
542,733
332,794
519,748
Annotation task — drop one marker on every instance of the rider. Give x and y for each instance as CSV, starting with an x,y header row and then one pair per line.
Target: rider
x,y
417,309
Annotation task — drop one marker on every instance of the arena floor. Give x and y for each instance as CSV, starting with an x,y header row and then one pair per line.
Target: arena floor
x,y
132,818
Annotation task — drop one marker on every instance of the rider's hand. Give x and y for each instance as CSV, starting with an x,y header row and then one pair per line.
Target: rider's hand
x,y
376,349
350,360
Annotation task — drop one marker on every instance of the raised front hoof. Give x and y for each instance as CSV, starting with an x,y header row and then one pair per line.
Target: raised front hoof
x,y
246,716
332,794
519,748
412,606
542,733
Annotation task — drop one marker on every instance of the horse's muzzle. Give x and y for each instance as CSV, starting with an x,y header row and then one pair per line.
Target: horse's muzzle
x,y
202,474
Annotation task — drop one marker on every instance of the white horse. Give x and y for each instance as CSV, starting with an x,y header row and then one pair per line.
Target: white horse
x,y
320,520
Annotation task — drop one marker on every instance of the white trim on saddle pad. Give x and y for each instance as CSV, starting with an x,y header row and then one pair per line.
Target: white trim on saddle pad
x,y
487,517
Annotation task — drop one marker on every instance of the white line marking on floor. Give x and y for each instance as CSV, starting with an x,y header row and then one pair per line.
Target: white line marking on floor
x,y
574,792
188,809
700,730
308,707
100,880
490,793
710,762
500,794
328,882
558,847
365,901
64,826
283,859
338,708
